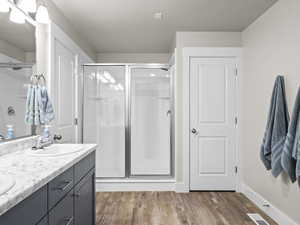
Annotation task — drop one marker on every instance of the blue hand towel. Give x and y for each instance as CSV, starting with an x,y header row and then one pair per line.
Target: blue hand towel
x,y
291,154
276,130
39,109
47,106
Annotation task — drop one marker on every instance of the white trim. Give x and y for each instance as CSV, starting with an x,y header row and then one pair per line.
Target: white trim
x,y
134,185
187,53
172,59
271,210
181,188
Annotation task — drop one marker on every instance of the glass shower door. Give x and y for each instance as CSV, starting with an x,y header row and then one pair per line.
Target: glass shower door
x,y
150,121
104,117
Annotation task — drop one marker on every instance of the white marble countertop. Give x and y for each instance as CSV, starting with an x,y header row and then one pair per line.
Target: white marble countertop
x,y
33,172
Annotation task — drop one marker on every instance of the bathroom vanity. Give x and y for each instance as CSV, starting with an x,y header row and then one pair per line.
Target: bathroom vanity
x,y
58,190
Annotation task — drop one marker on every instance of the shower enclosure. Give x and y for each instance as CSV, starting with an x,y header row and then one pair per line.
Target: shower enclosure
x,y
127,111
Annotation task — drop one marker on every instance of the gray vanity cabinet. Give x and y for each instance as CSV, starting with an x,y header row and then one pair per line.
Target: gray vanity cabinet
x,y
28,212
84,204
69,199
62,213
44,221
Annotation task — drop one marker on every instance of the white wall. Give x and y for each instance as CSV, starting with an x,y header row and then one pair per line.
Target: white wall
x,y
132,58
194,39
59,19
271,47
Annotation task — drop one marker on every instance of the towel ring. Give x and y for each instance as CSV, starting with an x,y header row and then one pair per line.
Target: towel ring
x,y
35,79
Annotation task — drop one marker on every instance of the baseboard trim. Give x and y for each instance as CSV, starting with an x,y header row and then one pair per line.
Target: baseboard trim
x,y
181,188
134,185
273,212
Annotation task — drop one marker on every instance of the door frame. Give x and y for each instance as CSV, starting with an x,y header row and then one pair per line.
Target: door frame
x,y
207,52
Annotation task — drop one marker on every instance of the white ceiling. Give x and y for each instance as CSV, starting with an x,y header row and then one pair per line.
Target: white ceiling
x,y
127,26
21,36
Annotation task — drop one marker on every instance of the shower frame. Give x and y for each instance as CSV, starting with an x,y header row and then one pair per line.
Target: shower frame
x,y
128,67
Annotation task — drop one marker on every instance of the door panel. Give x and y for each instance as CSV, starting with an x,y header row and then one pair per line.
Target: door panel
x,y
150,122
64,92
212,105
104,117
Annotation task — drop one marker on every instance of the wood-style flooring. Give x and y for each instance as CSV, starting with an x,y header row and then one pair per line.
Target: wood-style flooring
x,y
170,208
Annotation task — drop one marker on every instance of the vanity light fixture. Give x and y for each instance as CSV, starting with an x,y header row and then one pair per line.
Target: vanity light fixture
x,y
4,6
16,16
42,15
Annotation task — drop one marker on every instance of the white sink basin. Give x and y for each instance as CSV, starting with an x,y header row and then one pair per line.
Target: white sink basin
x,y
56,150
6,183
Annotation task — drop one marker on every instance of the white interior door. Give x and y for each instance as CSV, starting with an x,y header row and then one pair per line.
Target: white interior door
x,y
64,92
212,124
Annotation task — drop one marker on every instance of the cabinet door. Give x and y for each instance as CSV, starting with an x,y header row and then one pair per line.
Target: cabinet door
x,y
62,213
44,221
84,201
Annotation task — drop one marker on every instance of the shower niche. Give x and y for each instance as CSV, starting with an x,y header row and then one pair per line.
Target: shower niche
x,y
127,111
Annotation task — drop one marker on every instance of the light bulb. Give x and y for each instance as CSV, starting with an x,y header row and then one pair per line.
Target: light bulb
x,y
16,16
42,15
28,5
4,7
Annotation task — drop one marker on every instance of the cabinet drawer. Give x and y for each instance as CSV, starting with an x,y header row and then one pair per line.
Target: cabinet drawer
x,y
62,213
83,167
60,186
29,211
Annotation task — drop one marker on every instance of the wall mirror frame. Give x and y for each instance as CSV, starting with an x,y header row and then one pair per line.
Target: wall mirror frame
x,y
17,65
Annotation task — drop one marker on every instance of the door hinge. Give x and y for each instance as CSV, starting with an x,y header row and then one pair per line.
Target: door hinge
x,y
236,120
236,169
76,121
236,71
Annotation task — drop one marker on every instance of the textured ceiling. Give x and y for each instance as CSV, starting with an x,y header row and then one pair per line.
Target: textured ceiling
x,y
127,26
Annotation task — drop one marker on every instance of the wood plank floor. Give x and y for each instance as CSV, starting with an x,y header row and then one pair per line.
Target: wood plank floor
x,y
170,208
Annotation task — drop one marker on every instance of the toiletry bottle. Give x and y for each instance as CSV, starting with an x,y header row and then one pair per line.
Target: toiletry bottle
x,y
10,132
46,132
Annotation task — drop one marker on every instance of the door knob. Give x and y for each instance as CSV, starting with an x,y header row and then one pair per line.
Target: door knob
x,y
194,131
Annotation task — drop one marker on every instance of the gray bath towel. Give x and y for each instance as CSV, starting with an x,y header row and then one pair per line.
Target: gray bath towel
x,y
291,154
276,130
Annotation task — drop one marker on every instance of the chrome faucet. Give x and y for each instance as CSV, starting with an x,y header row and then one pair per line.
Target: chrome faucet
x,y
43,142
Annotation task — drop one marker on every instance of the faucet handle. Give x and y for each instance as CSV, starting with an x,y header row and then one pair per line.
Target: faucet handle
x,y
57,137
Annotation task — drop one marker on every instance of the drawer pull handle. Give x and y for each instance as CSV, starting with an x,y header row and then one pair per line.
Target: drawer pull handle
x,y
67,184
69,220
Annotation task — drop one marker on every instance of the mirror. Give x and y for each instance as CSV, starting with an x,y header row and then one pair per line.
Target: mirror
x,y
17,64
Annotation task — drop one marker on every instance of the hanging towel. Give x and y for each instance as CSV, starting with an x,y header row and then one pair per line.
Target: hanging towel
x,y
290,156
29,117
276,130
47,106
39,110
